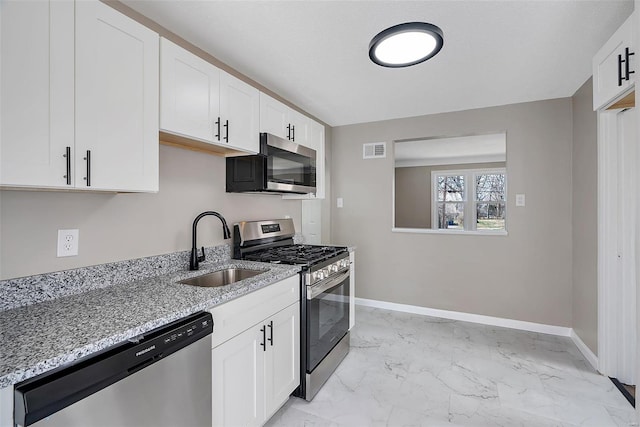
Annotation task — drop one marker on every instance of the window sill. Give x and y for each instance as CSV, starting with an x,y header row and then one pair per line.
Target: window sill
x,y
457,232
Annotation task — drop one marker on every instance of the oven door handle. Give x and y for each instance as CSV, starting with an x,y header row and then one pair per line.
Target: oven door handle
x,y
317,289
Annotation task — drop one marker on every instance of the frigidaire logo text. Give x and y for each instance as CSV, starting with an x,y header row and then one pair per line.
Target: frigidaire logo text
x,y
146,350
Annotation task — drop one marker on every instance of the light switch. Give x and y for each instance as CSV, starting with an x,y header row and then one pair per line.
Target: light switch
x,y
520,200
340,202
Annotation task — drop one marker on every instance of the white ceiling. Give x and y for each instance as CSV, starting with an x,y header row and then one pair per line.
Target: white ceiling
x,y
451,151
315,53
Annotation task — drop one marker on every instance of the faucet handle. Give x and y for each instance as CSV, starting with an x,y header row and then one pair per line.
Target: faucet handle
x,y
201,257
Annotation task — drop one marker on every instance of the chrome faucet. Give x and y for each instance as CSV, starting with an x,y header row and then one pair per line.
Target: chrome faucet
x,y
195,259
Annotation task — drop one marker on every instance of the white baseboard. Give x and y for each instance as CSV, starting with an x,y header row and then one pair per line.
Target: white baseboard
x,y
586,351
487,320
468,317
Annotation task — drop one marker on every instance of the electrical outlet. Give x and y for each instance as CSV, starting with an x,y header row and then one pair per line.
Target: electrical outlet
x,y
520,200
340,202
68,241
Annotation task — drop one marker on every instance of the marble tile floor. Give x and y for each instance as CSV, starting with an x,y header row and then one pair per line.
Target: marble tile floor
x,y
412,370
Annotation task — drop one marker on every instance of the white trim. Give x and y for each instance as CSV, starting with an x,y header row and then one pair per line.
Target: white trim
x,y
469,317
586,351
449,231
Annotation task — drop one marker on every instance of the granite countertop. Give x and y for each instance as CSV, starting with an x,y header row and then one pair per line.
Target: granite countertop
x,y
43,336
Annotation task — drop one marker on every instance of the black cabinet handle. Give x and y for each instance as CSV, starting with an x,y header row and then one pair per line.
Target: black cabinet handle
x,y
293,133
88,177
620,77
226,132
289,131
264,338
217,123
68,156
270,339
627,54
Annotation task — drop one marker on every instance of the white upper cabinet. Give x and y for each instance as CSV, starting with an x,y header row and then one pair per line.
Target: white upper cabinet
x,y
274,117
300,128
203,103
189,94
240,109
79,98
116,100
614,66
280,120
36,93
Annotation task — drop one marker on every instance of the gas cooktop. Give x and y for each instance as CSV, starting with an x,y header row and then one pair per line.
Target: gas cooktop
x,y
295,254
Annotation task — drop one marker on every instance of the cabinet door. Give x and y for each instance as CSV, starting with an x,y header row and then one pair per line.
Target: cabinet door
x,y
36,92
240,112
300,128
282,361
238,380
606,83
189,94
274,117
116,100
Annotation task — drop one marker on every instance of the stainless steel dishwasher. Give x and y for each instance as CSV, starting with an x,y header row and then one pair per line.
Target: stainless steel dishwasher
x,y
162,378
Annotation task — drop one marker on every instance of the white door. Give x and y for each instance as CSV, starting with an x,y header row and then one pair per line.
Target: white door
x,y
240,112
282,361
189,94
617,244
116,100
238,380
274,117
36,93
627,231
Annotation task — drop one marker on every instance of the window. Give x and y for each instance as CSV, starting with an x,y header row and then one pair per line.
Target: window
x,y
469,200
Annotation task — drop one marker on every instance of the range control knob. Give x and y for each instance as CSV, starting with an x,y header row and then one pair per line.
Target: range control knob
x,y
334,268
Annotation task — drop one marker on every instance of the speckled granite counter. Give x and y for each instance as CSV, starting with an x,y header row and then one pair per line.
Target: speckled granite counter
x,y
45,335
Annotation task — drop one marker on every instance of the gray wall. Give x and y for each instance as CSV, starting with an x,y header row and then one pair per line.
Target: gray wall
x,y
413,192
584,218
413,197
525,275
115,227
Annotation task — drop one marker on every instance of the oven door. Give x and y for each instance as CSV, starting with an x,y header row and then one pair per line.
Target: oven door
x,y
290,167
327,317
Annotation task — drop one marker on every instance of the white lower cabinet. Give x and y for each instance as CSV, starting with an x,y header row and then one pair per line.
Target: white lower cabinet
x,y
238,381
256,354
282,358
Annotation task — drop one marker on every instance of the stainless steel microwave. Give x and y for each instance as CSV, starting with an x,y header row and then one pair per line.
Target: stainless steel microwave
x,y
281,167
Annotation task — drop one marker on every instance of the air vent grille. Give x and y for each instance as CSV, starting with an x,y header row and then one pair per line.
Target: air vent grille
x,y
374,150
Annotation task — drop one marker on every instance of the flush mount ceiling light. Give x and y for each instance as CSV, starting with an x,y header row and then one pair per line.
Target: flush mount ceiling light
x,y
405,44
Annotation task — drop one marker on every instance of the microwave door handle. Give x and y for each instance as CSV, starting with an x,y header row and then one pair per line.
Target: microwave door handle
x,y
331,282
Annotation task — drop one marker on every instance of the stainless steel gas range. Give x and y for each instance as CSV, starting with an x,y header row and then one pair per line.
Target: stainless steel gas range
x,y
324,294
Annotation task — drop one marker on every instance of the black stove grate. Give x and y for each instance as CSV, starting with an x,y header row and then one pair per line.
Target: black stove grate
x,y
295,254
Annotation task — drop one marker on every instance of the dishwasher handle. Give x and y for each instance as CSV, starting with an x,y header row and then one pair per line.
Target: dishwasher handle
x,y
46,394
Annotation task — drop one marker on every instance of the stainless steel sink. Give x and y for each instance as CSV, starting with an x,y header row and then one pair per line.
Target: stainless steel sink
x,y
221,277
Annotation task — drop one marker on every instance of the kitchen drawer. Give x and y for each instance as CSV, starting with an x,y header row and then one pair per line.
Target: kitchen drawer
x,y
238,315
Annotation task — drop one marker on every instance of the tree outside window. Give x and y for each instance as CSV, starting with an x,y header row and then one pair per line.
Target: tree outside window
x,y
477,195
